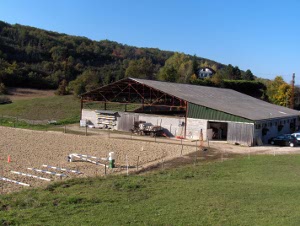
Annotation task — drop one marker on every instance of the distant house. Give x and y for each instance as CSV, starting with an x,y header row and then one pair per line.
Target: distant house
x,y
205,72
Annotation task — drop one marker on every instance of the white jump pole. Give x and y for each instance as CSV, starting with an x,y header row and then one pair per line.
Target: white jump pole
x,y
62,169
70,159
91,157
86,156
48,172
30,175
97,163
14,181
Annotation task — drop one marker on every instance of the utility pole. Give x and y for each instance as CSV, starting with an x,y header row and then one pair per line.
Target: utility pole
x,y
292,100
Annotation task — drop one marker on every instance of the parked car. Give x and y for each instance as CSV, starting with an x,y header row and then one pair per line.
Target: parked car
x,y
297,135
284,140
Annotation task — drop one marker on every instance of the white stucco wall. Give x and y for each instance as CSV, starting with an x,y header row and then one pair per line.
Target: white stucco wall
x,y
174,126
193,128
90,116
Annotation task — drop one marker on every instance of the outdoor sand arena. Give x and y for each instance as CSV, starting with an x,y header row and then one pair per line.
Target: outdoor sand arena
x,y
32,149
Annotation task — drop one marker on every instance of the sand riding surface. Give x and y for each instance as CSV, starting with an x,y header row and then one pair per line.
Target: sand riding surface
x,y
32,149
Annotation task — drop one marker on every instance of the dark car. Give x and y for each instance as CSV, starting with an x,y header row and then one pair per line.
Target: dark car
x,y
284,140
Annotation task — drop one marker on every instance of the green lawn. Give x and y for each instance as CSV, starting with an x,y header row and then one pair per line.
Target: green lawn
x,y
262,190
46,108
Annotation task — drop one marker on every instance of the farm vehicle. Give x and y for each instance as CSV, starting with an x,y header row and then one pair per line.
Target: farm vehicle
x,y
142,128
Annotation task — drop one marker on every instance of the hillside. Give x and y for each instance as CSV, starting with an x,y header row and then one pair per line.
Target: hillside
x,y
36,58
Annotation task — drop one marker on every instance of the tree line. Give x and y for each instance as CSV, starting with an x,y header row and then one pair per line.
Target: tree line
x,y
36,58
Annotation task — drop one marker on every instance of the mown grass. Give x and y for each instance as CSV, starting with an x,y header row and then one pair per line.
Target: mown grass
x,y
262,190
34,113
46,108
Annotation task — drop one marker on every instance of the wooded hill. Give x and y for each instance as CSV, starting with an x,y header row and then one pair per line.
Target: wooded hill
x,y
36,58
32,57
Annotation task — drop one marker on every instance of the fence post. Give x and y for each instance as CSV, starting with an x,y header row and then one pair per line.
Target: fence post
x,y
207,141
181,147
127,165
65,129
137,163
85,130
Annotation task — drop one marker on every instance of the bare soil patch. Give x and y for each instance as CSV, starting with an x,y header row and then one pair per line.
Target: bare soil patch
x,y
32,149
26,93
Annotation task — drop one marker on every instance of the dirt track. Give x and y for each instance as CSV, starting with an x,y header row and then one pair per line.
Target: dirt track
x,y
34,148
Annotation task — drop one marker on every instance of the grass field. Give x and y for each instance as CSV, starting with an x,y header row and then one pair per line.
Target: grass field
x,y
46,108
262,190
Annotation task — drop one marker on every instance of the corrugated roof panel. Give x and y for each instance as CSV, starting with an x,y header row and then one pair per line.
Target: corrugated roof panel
x,y
197,111
225,100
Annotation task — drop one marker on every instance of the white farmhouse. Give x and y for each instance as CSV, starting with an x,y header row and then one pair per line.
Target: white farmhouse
x,y
205,72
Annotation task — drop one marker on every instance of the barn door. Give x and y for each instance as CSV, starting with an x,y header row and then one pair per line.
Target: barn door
x,y
126,121
241,133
